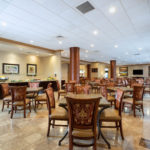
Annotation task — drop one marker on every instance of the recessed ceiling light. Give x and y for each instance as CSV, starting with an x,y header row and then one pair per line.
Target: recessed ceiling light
x,y
3,23
60,42
140,49
92,45
112,10
116,46
95,32
31,41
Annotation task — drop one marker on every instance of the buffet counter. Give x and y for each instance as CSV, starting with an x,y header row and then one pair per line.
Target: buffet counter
x,y
21,83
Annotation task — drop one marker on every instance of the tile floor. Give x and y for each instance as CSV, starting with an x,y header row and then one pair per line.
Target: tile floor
x,y
30,133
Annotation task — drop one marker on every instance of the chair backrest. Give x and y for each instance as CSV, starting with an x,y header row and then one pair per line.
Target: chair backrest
x,y
50,99
138,92
5,89
83,113
119,97
103,91
49,85
85,89
33,84
70,87
18,93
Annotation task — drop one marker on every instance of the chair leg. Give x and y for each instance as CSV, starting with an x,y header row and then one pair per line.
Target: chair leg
x,y
134,111
30,106
48,130
117,125
24,111
53,124
121,130
35,105
142,109
8,105
70,142
3,105
58,95
94,146
12,111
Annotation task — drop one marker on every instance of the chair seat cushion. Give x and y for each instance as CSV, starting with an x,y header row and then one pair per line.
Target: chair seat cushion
x,y
21,103
7,98
128,100
62,91
139,102
41,97
59,114
110,98
83,132
110,114
30,95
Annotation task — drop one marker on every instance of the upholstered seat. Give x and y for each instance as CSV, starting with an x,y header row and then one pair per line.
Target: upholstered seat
x,y
128,100
110,114
21,103
59,113
62,91
110,98
7,98
30,95
41,97
83,132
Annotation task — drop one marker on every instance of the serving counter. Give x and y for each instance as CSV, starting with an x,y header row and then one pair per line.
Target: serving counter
x,y
42,84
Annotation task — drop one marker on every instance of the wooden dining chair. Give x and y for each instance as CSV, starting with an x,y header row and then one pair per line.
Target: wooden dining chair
x,y
82,121
41,98
54,114
7,99
60,91
32,85
137,101
114,114
19,100
109,98
70,87
84,89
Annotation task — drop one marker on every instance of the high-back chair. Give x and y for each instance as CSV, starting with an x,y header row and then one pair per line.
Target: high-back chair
x,y
19,99
114,114
70,87
82,121
110,98
53,112
137,101
6,95
82,89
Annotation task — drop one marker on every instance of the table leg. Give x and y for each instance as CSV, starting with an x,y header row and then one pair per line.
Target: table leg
x,y
99,126
66,133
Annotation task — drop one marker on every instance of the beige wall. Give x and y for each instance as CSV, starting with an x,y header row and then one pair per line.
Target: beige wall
x,y
65,71
84,67
46,66
101,70
132,67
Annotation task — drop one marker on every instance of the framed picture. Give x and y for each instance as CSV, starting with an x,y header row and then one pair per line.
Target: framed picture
x,y
123,71
31,69
10,68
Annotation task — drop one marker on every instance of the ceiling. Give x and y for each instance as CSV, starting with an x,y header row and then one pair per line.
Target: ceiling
x,y
115,29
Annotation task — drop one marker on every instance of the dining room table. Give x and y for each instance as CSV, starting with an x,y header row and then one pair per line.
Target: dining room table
x,y
104,104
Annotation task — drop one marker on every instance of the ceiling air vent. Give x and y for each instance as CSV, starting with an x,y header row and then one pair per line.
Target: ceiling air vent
x,y
85,7
136,54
